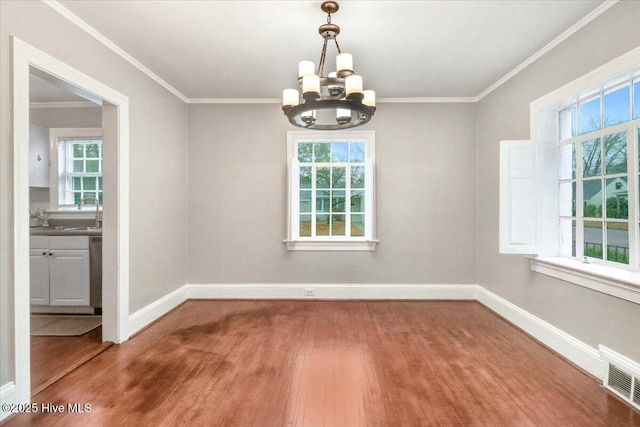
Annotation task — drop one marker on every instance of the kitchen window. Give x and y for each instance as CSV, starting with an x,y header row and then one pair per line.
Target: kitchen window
x,y
331,191
78,170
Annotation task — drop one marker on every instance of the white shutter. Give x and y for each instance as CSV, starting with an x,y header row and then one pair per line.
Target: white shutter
x,y
369,195
294,198
521,197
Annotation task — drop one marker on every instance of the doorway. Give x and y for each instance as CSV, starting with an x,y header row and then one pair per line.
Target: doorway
x,y
115,119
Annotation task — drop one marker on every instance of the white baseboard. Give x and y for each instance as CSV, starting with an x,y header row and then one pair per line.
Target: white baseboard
x,y
7,395
586,357
147,315
583,355
332,291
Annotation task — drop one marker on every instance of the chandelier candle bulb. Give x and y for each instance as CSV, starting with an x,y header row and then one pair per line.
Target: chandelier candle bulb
x,y
290,97
311,84
369,98
344,62
343,115
306,68
353,84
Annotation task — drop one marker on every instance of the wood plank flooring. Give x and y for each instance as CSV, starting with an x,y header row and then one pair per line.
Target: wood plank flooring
x,y
331,363
54,357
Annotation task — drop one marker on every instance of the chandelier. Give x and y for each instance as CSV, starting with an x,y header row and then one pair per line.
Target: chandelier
x,y
335,101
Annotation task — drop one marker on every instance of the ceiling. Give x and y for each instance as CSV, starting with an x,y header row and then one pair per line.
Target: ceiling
x,y
403,49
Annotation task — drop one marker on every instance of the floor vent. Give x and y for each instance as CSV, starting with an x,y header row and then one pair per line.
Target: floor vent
x,y
624,382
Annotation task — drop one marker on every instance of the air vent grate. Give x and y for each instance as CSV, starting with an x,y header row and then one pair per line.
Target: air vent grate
x,y
636,391
620,381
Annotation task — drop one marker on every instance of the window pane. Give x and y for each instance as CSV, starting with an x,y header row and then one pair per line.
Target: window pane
x,y
591,158
305,177
100,197
357,176
339,152
321,151
567,161
357,201
323,177
100,183
636,99
589,116
337,225
305,152
337,201
357,225
89,183
93,166
567,192
567,123
615,150
93,151
322,225
77,151
78,166
323,201
305,201
618,242
339,177
77,196
357,152
616,106
617,198
305,225
567,237
77,186
593,239
592,197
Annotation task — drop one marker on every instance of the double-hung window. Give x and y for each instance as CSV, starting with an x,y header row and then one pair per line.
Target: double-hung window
x,y
331,196
571,195
78,170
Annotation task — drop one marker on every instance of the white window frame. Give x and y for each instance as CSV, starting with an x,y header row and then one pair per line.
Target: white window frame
x,y
611,278
294,241
56,135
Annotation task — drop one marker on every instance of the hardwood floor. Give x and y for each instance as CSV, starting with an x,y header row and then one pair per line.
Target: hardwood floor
x,y
331,363
54,357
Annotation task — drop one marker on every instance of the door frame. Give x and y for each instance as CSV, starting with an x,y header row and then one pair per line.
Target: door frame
x,y
116,207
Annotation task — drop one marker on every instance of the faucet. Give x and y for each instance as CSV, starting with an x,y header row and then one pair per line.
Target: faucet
x,y
97,202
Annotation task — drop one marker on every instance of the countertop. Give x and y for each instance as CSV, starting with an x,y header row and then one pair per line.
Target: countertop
x,y
65,231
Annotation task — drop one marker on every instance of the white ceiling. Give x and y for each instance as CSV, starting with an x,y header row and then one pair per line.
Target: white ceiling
x,y
251,49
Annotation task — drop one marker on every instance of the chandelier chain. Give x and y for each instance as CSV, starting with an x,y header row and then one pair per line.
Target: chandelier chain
x,y
323,55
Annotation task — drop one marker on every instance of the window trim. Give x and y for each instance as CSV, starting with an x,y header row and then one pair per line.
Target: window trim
x,y
329,243
55,135
620,282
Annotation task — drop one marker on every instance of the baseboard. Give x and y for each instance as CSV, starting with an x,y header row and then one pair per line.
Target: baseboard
x,y
586,357
7,396
147,315
331,291
583,355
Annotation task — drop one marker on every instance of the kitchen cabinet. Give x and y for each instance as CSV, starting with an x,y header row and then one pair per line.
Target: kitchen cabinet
x,y
38,156
59,268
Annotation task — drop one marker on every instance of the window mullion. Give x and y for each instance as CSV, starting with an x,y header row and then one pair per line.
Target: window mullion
x,y
579,204
632,189
314,200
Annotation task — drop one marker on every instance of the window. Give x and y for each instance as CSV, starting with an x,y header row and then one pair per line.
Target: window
x,y
331,194
78,170
571,196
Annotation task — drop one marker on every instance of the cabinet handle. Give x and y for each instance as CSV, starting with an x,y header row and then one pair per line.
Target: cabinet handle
x,y
50,254
44,253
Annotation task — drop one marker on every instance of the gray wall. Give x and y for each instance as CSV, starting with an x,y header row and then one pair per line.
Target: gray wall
x,y
157,159
590,316
425,173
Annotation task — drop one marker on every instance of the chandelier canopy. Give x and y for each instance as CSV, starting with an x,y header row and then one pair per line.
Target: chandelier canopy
x,y
335,101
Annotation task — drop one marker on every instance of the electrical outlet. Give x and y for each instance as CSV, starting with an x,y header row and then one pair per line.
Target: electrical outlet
x,y
309,292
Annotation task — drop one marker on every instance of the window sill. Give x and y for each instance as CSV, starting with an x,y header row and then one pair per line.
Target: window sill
x,y
613,281
331,245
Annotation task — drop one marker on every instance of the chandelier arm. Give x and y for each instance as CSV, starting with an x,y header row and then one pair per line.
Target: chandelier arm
x,y
337,45
323,55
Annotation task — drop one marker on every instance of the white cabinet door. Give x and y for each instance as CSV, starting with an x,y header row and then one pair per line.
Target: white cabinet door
x,y
39,271
69,277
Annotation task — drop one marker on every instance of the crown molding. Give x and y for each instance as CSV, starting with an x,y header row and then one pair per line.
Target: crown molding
x,y
608,4
69,104
75,19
